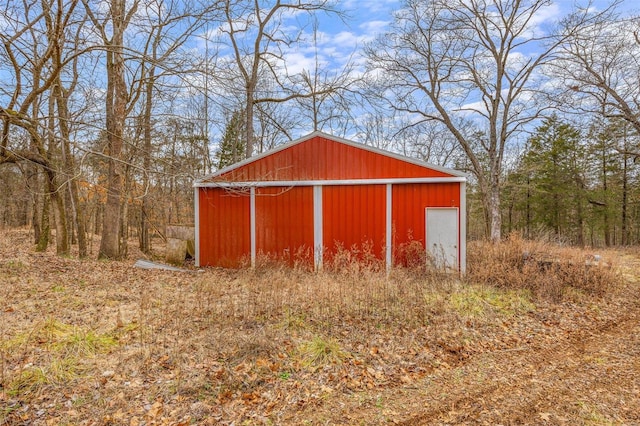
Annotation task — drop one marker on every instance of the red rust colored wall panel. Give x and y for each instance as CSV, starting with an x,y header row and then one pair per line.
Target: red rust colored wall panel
x,y
225,238
409,202
321,158
353,216
284,223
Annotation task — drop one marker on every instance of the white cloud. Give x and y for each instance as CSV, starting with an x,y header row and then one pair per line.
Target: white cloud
x,y
547,14
374,27
298,62
345,38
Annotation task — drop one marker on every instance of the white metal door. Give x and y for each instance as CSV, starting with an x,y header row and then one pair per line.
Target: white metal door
x,y
442,236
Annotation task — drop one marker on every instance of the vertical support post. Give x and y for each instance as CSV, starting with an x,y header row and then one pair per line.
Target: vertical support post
x,y
318,247
389,228
196,211
252,213
463,228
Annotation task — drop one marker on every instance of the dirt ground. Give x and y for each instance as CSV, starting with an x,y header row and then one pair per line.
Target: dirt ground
x,y
587,374
87,342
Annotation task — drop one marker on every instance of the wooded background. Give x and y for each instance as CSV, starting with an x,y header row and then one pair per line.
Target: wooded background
x,y
110,110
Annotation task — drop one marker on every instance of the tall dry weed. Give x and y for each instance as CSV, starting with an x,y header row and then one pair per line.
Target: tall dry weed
x,y
548,270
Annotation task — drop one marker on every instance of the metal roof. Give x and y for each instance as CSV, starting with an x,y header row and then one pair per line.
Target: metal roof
x,y
207,180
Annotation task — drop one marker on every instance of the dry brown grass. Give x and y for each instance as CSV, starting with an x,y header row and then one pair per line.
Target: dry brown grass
x,y
235,342
85,341
549,271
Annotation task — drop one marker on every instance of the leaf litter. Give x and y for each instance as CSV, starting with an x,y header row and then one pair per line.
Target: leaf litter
x,y
89,342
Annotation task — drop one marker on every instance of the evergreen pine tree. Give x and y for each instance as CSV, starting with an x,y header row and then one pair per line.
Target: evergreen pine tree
x,y
555,164
233,144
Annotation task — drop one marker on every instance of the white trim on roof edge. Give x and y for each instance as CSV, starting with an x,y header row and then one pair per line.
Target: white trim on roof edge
x,y
272,183
354,144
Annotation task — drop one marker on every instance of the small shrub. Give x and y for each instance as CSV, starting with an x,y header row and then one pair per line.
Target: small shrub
x,y
87,343
32,379
320,352
358,257
412,254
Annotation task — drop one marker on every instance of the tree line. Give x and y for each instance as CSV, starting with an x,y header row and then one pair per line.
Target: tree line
x,y
110,110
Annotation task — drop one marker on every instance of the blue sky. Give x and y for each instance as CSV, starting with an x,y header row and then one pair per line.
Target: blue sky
x,y
341,41
366,19
369,18
338,39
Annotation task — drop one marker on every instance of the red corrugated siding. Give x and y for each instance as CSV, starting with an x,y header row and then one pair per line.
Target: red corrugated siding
x,y
225,238
322,159
284,223
353,216
409,202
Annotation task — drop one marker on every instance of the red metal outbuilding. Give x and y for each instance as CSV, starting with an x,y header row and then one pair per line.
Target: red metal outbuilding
x,y
308,198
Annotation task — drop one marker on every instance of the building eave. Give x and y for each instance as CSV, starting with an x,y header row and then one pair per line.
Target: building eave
x,y
331,182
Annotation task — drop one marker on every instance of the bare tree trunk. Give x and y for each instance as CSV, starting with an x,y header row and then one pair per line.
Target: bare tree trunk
x,y
625,178
249,138
97,217
45,227
32,184
70,214
124,230
36,221
124,213
607,226
110,242
62,236
78,212
492,201
625,230
145,241
56,193
69,165
495,214
116,115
